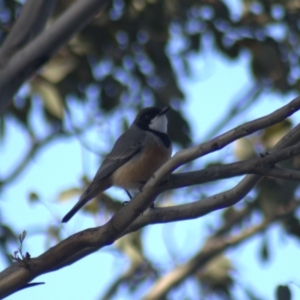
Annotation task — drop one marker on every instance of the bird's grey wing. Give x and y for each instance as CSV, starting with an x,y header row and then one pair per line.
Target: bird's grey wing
x,y
127,145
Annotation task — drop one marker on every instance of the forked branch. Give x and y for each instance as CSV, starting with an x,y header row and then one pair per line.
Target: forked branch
x,y
83,243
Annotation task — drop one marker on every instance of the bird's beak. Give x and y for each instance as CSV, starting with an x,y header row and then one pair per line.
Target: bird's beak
x,y
164,111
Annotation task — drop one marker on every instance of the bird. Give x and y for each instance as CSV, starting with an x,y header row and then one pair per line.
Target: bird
x,y
136,155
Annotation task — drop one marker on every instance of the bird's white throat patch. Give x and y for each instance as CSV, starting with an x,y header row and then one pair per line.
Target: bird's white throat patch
x,y
159,123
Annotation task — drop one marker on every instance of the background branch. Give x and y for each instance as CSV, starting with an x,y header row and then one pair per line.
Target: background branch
x,y
212,248
30,23
238,107
38,145
27,61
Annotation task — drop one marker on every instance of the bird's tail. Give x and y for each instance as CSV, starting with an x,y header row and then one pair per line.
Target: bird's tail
x,y
85,197
91,192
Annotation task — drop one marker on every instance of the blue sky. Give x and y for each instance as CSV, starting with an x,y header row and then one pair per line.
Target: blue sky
x,y
61,164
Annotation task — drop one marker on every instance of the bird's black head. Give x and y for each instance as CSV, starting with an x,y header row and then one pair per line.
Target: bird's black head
x,y
152,118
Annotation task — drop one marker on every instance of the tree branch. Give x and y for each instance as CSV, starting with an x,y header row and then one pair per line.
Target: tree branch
x,y
225,139
195,209
30,23
260,166
83,243
212,203
212,248
28,60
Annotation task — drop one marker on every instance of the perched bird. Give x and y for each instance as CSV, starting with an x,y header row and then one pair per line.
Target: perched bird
x,y
135,156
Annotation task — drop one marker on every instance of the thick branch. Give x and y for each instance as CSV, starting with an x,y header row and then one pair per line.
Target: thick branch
x,y
30,23
215,202
202,207
28,60
83,243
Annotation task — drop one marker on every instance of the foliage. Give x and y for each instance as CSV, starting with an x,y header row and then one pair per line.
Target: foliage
x,y
134,54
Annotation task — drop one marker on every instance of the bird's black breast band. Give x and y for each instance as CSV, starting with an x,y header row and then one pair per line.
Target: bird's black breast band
x,y
163,137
